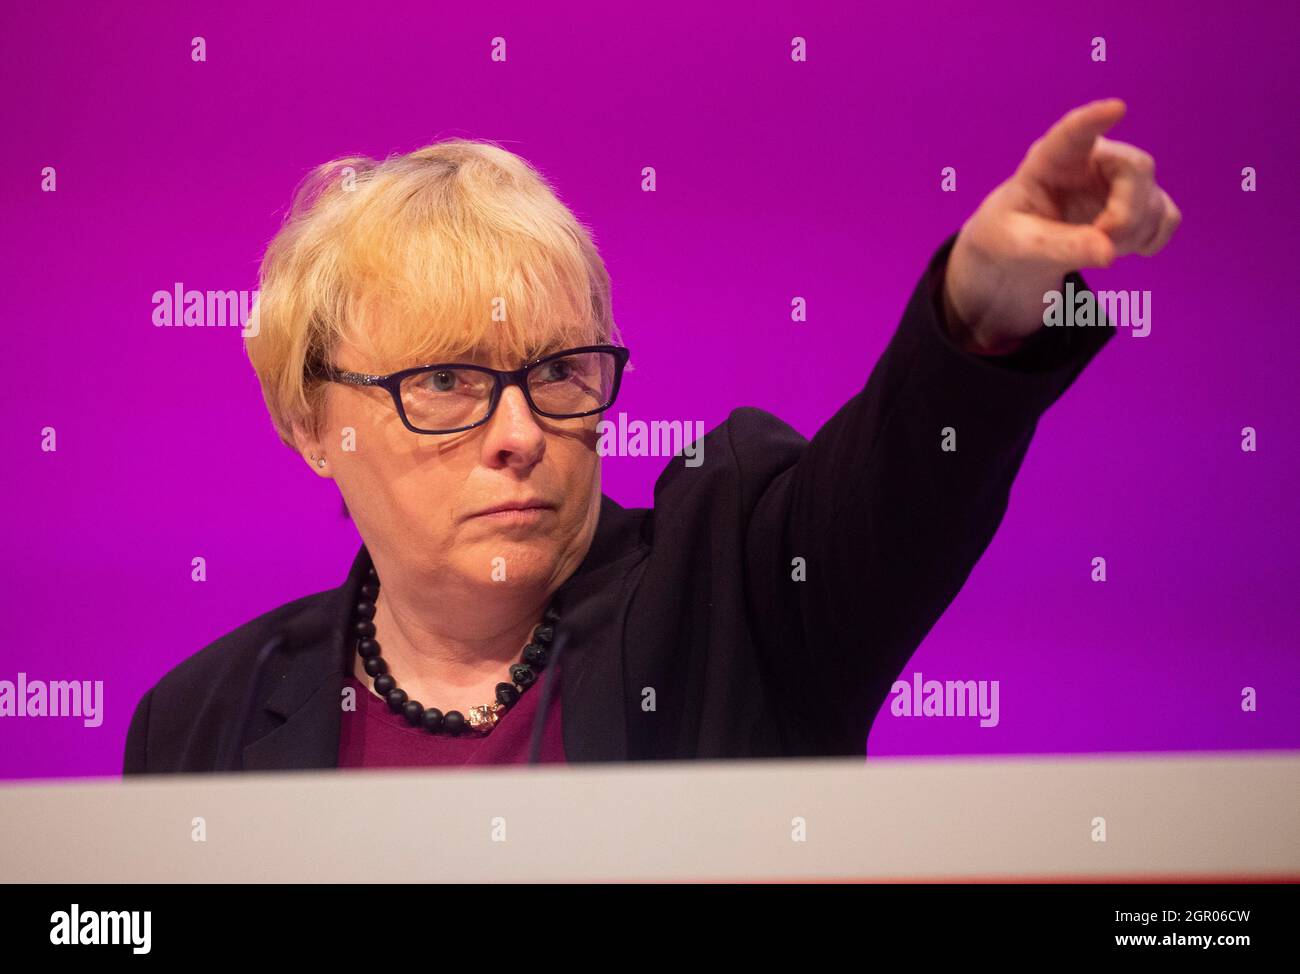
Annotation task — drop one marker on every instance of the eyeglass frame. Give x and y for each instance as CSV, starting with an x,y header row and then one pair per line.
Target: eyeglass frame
x,y
501,378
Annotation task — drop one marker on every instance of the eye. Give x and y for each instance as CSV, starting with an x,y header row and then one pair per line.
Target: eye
x,y
556,371
443,381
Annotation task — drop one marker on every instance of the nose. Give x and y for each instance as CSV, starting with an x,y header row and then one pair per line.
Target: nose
x,y
513,438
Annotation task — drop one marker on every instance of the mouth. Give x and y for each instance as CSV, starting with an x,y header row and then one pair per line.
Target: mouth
x,y
521,512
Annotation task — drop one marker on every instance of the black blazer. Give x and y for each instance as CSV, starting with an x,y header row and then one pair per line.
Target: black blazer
x,y
688,631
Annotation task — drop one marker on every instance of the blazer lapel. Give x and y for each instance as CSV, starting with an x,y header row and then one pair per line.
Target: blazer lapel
x,y
593,605
308,692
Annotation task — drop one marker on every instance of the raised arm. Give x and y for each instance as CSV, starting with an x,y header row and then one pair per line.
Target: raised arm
x,y
894,500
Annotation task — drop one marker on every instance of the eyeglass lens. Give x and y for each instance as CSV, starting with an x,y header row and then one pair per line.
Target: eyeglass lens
x,y
443,399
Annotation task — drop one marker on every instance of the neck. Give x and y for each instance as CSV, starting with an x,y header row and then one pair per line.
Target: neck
x,y
449,649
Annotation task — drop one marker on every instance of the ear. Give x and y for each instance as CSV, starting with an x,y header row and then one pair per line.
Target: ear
x,y
312,453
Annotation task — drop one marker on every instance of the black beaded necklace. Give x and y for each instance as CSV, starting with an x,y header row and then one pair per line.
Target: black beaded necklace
x,y
481,719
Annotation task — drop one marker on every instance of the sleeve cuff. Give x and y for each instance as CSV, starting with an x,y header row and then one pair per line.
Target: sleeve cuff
x,y
1041,369
1049,351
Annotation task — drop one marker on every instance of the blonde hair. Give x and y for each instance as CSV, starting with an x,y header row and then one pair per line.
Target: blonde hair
x,y
412,260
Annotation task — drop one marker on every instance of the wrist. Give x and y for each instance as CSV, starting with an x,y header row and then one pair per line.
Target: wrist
x,y
976,337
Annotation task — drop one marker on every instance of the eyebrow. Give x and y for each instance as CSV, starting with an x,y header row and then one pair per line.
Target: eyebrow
x,y
484,355
548,347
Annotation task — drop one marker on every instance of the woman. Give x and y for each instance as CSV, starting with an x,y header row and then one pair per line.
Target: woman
x,y
435,336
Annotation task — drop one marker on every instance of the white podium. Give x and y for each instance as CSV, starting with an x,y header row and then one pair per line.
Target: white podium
x,y
1222,816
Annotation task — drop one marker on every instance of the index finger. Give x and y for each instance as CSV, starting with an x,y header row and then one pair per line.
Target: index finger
x,y
1068,143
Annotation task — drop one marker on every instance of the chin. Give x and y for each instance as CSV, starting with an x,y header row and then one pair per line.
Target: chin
x,y
512,562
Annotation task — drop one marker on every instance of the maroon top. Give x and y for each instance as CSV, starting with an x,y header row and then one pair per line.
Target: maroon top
x,y
372,736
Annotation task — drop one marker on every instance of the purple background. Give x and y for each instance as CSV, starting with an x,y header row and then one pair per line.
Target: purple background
x,y
774,179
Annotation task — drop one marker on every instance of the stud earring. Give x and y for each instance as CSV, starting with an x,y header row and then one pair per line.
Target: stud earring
x,y
320,461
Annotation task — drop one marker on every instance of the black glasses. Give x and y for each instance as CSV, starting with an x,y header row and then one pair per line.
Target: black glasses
x,y
450,398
